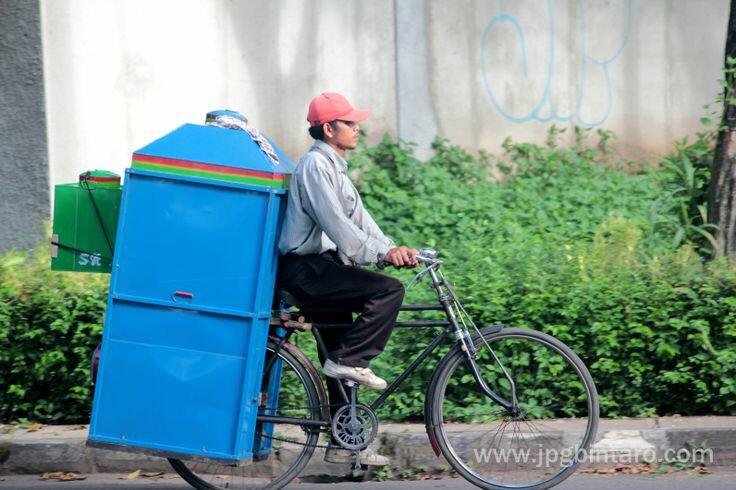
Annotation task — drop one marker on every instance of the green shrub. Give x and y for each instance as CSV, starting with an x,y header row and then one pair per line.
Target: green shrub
x,y
566,246
545,237
681,210
50,323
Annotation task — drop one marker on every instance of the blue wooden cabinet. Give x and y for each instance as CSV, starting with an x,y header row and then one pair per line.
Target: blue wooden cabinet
x,y
190,296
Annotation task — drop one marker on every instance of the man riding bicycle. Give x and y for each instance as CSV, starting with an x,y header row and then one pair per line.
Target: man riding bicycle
x,y
327,232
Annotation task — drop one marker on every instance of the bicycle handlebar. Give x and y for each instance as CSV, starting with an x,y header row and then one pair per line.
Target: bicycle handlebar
x,y
425,256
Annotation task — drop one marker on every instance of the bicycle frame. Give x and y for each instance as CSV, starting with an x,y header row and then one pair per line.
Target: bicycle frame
x,y
448,303
413,365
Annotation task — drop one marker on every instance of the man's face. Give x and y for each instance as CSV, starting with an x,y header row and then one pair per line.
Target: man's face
x,y
343,134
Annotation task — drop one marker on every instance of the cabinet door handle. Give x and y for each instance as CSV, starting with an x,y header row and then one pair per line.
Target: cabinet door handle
x,y
183,294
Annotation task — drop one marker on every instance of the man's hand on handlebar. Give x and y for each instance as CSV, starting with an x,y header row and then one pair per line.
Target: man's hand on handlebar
x,y
402,256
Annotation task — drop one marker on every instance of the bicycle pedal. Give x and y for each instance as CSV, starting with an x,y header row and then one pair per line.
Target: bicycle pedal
x,y
357,475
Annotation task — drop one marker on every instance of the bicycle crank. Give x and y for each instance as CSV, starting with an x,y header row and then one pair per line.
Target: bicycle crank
x,y
354,426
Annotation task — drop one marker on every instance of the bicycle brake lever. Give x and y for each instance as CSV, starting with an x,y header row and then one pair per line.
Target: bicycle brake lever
x,y
417,278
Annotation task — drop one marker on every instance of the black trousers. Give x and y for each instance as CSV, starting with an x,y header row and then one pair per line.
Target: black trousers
x,y
323,282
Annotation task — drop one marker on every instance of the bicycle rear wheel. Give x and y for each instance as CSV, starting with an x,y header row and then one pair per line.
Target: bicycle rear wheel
x,y
496,449
291,445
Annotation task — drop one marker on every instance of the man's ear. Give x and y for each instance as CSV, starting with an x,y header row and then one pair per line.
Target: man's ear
x,y
328,130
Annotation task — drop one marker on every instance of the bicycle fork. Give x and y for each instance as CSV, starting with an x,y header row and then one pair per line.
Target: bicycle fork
x,y
449,302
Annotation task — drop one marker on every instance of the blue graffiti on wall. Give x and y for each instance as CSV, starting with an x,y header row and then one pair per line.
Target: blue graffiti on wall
x,y
536,113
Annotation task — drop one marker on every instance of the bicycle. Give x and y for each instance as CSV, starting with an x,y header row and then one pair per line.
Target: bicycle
x,y
490,384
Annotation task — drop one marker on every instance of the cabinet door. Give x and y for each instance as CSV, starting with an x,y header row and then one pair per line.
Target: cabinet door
x,y
173,379
190,243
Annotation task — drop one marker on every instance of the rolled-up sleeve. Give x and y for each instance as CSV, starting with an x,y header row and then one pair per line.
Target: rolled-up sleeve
x,y
320,201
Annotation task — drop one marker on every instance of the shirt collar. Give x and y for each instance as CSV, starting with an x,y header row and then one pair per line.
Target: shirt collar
x,y
336,158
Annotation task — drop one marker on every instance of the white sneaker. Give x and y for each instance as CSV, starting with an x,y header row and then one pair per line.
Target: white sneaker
x,y
360,375
336,454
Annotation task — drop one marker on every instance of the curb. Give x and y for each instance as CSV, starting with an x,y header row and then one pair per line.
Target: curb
x,y
62,448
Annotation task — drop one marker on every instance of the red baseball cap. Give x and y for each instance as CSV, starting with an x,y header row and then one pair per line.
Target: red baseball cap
x,y
329,106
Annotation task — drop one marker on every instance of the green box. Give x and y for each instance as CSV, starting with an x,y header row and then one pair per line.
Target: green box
x,y
85,223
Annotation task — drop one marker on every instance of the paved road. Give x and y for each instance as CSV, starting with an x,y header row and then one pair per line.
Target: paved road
x,y
720,479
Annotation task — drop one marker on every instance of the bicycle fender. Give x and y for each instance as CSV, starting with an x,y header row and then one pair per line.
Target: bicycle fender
x,y
432,438
321,392
489,330
428,423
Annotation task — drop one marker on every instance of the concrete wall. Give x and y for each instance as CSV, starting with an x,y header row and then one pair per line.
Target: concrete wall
x,y
24,182
643,69
119,74
122,73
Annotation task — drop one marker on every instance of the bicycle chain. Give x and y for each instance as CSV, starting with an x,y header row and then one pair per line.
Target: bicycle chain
x,y
286,409
321,446
320,407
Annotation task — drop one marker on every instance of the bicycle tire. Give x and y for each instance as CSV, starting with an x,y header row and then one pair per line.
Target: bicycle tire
x,y
451,450
197,480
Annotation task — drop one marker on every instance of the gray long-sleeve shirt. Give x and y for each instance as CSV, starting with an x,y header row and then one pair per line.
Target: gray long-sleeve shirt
x,y
318,219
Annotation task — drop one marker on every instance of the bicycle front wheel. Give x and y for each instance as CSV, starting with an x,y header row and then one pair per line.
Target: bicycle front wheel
x,y
538,446
281,449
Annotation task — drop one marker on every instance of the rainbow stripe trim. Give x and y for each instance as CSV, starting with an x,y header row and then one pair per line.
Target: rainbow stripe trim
x,y
209,171
102,181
